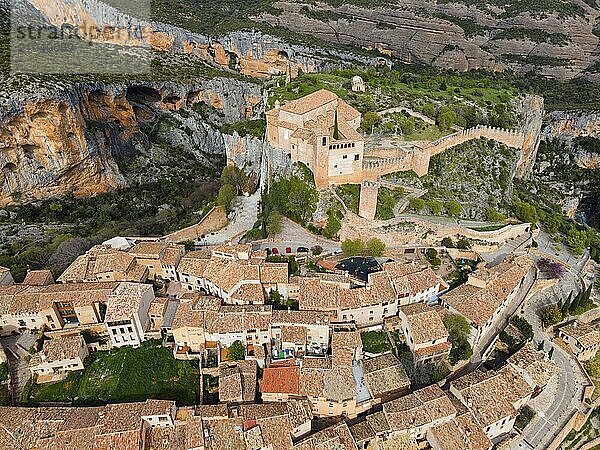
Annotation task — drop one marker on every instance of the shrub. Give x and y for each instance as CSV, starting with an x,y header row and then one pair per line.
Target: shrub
x,y
376,247
416,204
453,208
236,351
273,225
226,195
353,247
448,242
551,315
435,207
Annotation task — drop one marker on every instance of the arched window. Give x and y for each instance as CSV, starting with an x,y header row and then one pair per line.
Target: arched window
x,y
324,141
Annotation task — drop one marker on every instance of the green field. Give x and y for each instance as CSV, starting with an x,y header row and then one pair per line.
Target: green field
x,y
125,375
375,342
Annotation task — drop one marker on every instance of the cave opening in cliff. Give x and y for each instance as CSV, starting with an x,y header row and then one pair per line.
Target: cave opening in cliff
x,y
143,94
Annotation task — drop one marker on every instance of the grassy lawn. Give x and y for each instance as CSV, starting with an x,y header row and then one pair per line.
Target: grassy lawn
x,y
375,342
125,375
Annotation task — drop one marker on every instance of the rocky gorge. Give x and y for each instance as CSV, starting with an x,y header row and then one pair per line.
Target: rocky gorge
x,y
75,140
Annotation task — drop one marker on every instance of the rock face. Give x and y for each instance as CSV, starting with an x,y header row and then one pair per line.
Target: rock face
x,y
249,52
71,142
460,35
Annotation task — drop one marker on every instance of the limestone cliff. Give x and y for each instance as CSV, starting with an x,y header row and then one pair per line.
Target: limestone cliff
x,y
558,40
251,53
72,140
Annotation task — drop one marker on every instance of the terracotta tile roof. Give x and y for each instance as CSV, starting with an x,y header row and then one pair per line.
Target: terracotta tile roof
x,y
149,250
237,381
193,263
384,374
479,302
38,278
283,380
490,395
361,431
339,384
424,323
588,334
317,296
292,317
62,347
172,255
312,382
249,292
411,278
235,319
125,301
418,409
398,442
462,433
293,334
309,102
344,346
335,437
272,273
378,422
535,363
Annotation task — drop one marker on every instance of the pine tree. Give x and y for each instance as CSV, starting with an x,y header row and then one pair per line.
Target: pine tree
x,y
576,303
336,127
567,305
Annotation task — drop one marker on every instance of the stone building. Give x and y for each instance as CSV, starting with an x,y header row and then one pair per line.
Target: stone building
x,y
319,130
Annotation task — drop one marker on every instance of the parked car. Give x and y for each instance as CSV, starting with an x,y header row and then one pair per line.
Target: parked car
x,y
268,250
288,249
275,251
302,250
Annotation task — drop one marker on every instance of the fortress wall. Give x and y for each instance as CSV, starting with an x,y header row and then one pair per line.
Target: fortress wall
x,y
367,205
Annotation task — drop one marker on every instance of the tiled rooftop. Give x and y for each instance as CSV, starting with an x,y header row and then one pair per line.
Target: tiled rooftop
x,y
588,334
284,380
384,374
62,347
424,323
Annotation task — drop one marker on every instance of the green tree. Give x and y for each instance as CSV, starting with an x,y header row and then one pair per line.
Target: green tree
x,y
463,244
551,315
447,242
459,331
375,246
435,207
493,215
370,120
453,208
333,224
226,196
576,240
446,117
353,247
236,351
317,250
273,225
429,110
416,204
525,212
552,222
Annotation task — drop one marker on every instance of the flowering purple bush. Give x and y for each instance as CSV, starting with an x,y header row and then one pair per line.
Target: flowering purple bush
x,y
552,269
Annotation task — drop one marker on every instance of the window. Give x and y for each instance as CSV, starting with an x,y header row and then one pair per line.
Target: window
x,y
129,329
345,157
114,331
356,157
324,141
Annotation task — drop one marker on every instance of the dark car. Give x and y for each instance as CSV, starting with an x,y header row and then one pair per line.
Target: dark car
x,y
302,250
268,250
275,251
